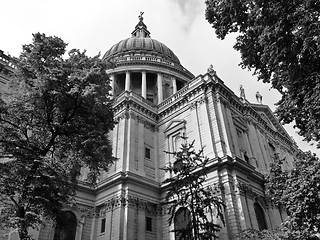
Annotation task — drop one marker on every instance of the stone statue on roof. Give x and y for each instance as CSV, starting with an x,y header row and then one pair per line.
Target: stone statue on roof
x,y
259,97
211,71
242,93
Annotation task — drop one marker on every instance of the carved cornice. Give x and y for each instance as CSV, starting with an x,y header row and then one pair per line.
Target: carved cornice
x,y
246,190
82,210
157,61
147,124
202,100
193,105
198,102
128,201
124,115
182,101
140,119
218,98
257,120
194,88
127,100
217,188
86,210
276,137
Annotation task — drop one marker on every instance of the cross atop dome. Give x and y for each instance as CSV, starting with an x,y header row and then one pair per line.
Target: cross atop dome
x,y
141,30
140,16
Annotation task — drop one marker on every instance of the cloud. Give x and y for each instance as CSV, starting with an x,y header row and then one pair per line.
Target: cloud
x,y
189,10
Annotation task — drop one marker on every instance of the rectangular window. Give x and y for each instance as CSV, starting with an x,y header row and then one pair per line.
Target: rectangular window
x,y
149,224
147,153
103,225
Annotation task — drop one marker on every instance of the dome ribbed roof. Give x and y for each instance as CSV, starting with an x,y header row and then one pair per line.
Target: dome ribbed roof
x,y
145,44
141,42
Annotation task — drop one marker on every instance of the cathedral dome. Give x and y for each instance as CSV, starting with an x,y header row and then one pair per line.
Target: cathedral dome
x,y
142,49
145,66
143,45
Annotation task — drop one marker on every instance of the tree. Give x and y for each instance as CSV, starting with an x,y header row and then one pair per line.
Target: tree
x,y
253,234
53,121
298,192
280,41
186,191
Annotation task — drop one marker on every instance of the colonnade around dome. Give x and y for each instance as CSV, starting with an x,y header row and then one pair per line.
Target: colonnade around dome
x,y
153,86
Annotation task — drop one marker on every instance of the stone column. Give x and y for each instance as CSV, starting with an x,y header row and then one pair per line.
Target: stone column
x,y
144,84
160,90
111,92
79,231
174,84
127,86
222,121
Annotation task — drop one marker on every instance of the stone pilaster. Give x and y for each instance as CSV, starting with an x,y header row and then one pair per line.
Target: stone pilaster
x,y
111,92
174,84
144,84
160,89
128,81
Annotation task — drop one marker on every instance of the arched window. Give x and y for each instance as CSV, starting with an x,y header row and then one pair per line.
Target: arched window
x,y
178,141
182,226
260,216
66,226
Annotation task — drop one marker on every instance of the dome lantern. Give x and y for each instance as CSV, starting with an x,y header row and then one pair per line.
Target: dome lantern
x,y
141,30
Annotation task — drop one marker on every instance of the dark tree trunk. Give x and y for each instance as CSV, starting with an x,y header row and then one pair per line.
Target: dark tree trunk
x,y
22,228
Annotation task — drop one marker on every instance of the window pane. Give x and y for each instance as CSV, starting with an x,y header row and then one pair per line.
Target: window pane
x,y
260,217
148,224
103,225
147,153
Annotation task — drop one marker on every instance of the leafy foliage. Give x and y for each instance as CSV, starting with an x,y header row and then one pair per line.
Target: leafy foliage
x,y
280,41
297,191
253,234
186,190
53,121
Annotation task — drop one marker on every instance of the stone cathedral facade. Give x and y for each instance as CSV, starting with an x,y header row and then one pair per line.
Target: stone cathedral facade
x,y
156,103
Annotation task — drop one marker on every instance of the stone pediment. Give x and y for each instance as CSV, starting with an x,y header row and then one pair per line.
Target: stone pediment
x,y
174,126
267,115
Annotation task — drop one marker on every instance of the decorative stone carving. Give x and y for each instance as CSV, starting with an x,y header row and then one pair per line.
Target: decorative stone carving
x,y
86,211
202,100
148,126
124,115
193,105
95,212
132,115
217,188
242,92
140,119
245,189
259,97
211,71
130,201
159,209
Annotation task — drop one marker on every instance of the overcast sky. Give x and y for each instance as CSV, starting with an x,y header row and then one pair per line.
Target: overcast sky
x,y
96,25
